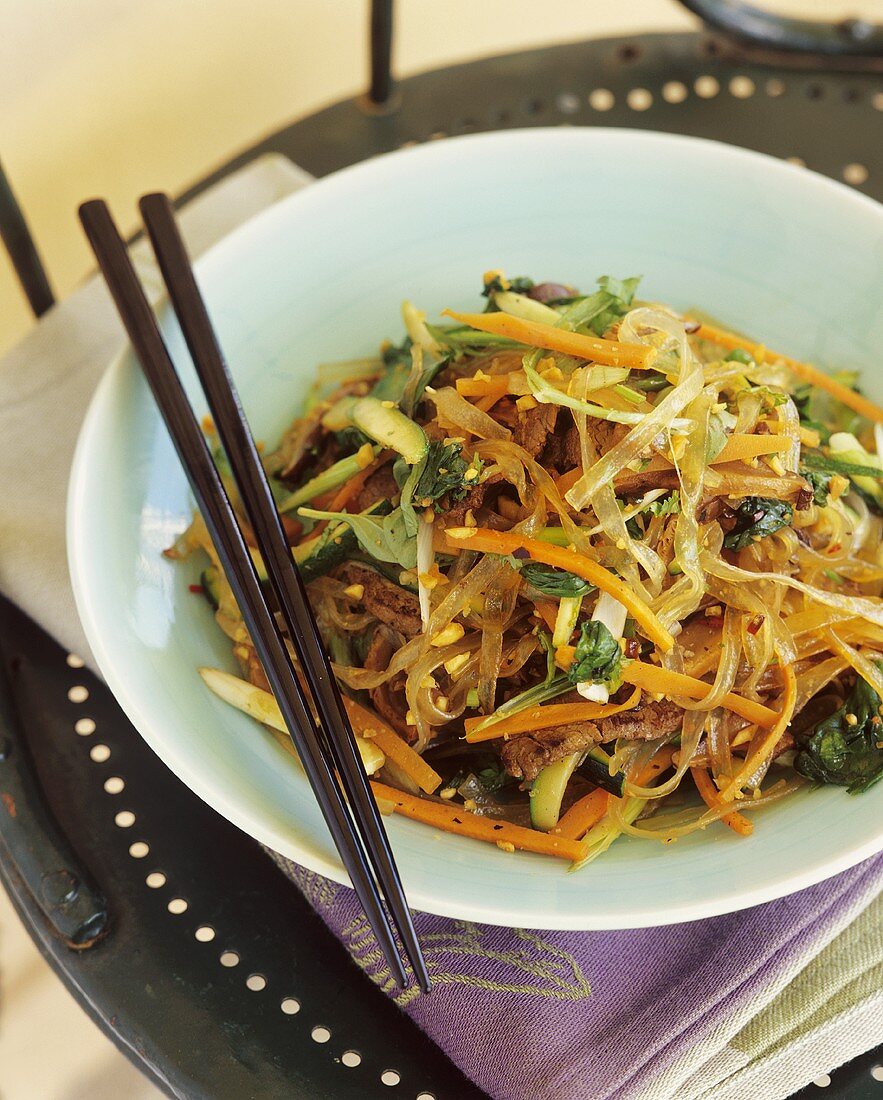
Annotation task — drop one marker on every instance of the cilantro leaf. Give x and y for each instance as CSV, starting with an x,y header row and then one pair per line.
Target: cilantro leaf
x,y
846,748
598,657
666,506
755,518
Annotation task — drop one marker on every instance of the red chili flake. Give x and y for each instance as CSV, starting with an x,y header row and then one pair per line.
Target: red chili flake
x,y
755,624
715,620
197,588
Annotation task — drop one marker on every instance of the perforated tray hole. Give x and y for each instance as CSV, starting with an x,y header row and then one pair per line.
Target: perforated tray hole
x,y
114,785
877,101
774,87
257,983
855,174
567,103
320,1034
79,693
351,1059
139,849
674,91
706,86
229,959
601,99
742,87
204,934
290,1006
390,1077
155,880
85,727
177,906
125,819
639,99
99,753
73,661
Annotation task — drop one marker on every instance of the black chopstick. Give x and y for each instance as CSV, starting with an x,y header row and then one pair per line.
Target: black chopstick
x,y
288,587
212,500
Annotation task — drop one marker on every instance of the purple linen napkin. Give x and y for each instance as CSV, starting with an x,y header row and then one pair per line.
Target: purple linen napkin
x,y
600,1015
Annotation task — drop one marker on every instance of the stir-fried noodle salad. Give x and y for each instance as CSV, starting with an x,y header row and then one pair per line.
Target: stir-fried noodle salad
x,y
586,568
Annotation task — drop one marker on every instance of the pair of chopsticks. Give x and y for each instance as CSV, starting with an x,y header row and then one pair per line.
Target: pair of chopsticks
x,y
328,752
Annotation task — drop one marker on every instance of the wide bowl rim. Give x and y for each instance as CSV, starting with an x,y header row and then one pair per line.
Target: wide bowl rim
x,y
495,911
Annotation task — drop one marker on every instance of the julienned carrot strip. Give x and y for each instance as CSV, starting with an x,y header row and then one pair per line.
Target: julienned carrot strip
x,y
507,542
742,445
566,482
537,335
372,728
582,815
808,373
589,810
483,387
739,823
453,819
672,684
544,717
754,760
487,403
548,612
347,491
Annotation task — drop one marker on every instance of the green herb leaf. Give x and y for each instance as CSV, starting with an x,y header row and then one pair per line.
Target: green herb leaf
x,y
665,506
598,657
384,538
441,473
598,311
554,582
521,284
842,752
757,517
819,480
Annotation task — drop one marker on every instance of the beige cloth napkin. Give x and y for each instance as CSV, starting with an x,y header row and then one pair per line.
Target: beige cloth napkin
x,y
47,381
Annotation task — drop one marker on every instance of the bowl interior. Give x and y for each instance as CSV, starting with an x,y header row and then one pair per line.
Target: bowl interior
x,y
774,250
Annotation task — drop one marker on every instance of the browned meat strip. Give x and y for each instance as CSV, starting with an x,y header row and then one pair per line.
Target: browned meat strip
x,y
381,485
455,513
383,599
527,755
534,427
389,698
562,450
650,719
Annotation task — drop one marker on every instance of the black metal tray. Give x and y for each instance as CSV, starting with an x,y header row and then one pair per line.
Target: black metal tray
x,y
182,941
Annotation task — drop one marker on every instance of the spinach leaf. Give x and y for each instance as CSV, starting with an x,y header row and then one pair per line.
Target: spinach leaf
x,y
755,518
847,748
554,582
384,538
598,657
441,472
819,482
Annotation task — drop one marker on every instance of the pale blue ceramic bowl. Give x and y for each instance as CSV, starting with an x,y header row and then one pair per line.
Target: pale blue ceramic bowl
x,y
774,250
